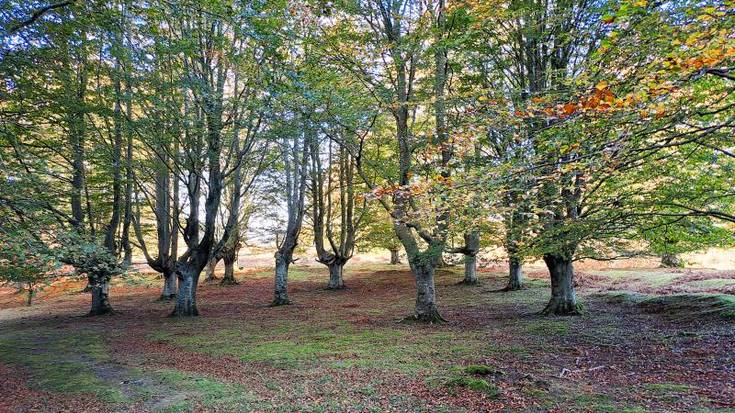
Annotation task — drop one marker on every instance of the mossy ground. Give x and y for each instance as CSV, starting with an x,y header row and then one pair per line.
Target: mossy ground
x,y
346,350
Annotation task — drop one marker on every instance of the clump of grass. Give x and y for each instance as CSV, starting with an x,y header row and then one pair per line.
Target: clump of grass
x,y
684,305
480,385
482,370
692,305
667,387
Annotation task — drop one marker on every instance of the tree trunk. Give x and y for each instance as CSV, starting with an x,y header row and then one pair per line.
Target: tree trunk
x,y
669,260
281,280
186,299
563,298
394,256
470,269
515,275
229,257
426,309
169,286
211,266
335,275
100,300
31,293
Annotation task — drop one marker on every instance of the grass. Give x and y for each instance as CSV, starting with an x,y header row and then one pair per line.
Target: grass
x,y
678,305
479,385
207,392
341,345
60,363
344,351
667,388
710,284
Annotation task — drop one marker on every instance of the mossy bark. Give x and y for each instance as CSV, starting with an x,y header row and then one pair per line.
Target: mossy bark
x,y
395,258
563,297
186,305
470,269
100,298
230,258
515,275
281,280
336,282
169,285
426,310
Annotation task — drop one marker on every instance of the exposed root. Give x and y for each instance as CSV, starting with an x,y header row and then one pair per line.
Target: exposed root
x,y
432,317
228,281
468,282
192,312
280,301
170,297
102,311
562,307
336,287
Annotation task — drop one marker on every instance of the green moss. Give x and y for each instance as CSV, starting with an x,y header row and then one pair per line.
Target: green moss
x,y
667,388
65,364
692,305
682,305
711,284
548,326
292,345
482,370
475,384
209,392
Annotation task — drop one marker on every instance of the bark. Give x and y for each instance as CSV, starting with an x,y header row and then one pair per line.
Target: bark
x,y
426,310
515,275
77,131
31,293
169,286
230,258
281,280
395,258
470,251
470,269
128,214
335,276
210,269
186,305
563,297
112,226
669,260
100,299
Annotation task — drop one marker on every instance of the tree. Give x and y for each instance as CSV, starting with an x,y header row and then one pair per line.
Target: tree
x,y
336,214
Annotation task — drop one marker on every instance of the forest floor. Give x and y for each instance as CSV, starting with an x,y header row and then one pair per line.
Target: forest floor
x,y
666,343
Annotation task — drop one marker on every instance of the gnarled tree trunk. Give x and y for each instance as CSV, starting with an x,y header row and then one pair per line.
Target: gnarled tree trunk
x,y
515,274
336,269
470,269
100,300
426,309
669,260
229,257
470,250
563,297
210,269
395,258
186,304
281,279
169,285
